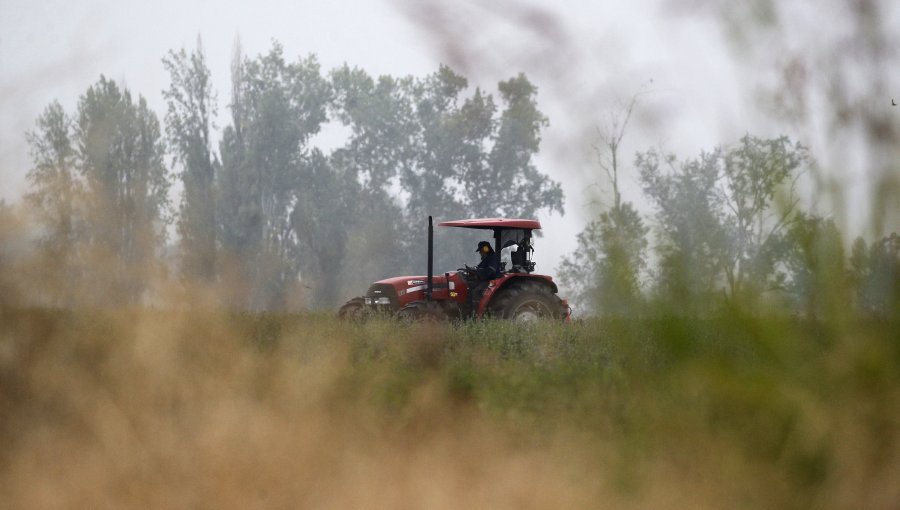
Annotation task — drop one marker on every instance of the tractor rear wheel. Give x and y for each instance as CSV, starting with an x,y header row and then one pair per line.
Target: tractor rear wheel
x,y
353,310
527,302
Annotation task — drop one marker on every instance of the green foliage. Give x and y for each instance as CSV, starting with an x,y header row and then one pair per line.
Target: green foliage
x,y
720,225
276,107
811,88
623,238
875,272
189,121
519,190
605,269
727,225
754,173
99,187
451,155
816,266
326,205
381,119
727,222
276,208
56,199
692,243
120,151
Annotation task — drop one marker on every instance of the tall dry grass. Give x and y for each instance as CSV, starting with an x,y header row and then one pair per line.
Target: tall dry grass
x,y
200,409
135,408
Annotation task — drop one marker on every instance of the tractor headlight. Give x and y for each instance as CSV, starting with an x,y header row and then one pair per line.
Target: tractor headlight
x,y
378,301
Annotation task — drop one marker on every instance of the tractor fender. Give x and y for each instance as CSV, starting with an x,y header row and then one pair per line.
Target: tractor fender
x,y
511,279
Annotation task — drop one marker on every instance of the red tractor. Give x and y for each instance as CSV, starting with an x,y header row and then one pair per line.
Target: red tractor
x,y
517,294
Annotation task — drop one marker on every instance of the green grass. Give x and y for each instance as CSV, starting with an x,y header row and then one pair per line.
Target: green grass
x,y
230,410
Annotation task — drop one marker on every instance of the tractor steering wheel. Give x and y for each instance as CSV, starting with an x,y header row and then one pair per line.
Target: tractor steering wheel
x,y
468,271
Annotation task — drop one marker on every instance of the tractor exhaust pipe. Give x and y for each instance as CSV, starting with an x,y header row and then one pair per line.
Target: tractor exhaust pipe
x,y
430,260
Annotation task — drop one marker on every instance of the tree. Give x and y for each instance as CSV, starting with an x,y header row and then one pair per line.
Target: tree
x,y
99,188
233,202
875,270
605,270
120,151
471,163
191,108
811,83
815,265
753,173
276,107
448,153
432,181
382,144
382,125
720,217
519,189
324,213
691,244
54,196
579,272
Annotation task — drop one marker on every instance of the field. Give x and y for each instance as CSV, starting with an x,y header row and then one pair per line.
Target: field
x,y
198,408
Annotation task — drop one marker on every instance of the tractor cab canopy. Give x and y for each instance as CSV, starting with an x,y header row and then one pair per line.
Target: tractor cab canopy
x,y
493,223
512,239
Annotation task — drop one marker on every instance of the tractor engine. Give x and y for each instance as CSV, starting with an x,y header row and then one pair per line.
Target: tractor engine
x,y
392,294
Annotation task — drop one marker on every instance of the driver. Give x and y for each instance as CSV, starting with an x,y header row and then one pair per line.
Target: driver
x,y
489,267
487,270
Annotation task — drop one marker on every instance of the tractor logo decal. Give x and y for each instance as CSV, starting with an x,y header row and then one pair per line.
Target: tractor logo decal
x,y
412,289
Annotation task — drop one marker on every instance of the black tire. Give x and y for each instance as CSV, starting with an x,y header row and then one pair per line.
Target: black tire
x,y
354,310
527,302
422,311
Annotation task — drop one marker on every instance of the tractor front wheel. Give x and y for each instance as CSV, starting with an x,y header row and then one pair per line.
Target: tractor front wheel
x,y
353,310
527,302
422,311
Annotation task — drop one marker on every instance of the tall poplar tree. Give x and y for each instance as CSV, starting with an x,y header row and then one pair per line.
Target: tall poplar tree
x,y
120,152
55,191
276,107
189,122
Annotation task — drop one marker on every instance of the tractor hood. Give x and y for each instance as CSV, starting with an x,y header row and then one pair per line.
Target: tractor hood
x,y
401,290
404,282
410,284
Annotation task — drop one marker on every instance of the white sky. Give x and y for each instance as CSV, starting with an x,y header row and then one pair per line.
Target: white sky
x,y
585,57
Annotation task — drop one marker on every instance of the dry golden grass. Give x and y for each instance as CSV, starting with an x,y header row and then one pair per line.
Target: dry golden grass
x,y
198,408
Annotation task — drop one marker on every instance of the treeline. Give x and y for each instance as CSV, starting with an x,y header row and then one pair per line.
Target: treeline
x,y
267,218
727,229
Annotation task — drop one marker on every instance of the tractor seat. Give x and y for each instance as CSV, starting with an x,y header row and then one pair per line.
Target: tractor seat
x,y
518,259
512,257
